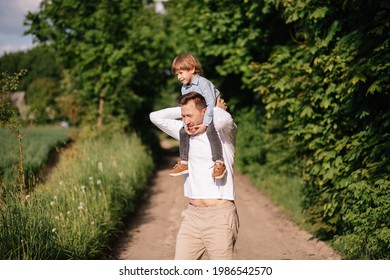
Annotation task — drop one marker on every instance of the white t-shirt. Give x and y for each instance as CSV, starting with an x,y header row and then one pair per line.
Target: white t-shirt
x,y
199,184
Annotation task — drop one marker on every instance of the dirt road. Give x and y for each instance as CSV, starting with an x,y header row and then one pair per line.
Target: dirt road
x,y
264,234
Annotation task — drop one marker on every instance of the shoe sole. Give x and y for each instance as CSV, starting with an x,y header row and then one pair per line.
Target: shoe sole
x,y
178,174
220,176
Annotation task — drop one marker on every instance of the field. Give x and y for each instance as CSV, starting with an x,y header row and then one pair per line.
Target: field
x,y
38,143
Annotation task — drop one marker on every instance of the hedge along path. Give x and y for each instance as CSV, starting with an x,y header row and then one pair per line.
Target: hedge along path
x,y
265,232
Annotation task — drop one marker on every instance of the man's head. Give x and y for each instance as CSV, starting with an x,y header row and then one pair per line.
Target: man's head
x,y
193,108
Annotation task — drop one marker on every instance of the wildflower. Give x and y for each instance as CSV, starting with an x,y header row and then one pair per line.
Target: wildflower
x,y
100,166
55,197
92,223
56,217
99,182
61,183
52,203
81,206
91,180
68,213
53,230
83,188
27,197
120,174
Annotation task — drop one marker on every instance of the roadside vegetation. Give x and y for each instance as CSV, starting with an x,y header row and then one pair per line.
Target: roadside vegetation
x,y
77,211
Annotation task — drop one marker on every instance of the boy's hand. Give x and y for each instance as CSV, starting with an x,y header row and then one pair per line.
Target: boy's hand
x,y
197,129
221,103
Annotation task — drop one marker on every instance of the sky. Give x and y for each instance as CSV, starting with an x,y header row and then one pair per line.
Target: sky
x,y
12,14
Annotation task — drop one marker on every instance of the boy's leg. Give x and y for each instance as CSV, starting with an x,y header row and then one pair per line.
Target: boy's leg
x,y
219,170
182,165
184,144
215,143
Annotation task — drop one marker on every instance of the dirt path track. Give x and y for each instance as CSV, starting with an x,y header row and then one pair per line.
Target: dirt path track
x,y
264,234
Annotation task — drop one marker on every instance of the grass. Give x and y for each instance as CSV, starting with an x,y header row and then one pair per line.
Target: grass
x,y
80,207
38,142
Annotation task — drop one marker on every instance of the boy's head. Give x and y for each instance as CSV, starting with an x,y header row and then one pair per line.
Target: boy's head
x,y
186,62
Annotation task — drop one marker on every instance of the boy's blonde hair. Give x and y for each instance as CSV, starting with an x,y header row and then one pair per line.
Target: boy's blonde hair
x,y
186,61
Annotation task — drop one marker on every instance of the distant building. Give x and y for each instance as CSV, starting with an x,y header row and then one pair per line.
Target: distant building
x,y
159,7
18,99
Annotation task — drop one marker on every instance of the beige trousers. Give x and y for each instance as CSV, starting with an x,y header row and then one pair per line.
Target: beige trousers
x,y
212,229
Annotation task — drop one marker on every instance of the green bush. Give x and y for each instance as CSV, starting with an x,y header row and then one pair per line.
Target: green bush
x,y
330,92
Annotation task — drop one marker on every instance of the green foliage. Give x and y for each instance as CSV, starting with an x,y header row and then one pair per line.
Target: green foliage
x,y
40,82
112,50
41,95
40,62
76,212
330,92
250,139
8,113
68,100
226,36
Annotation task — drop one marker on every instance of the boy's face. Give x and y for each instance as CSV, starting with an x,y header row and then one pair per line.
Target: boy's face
x,y
185,76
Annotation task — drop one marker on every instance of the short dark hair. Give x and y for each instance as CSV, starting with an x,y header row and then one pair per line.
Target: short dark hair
x,y
199,100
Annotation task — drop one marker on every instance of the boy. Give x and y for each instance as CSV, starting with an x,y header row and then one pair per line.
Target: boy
x,y
189,72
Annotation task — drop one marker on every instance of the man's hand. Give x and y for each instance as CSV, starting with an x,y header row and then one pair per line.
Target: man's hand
x,y
196,129
221,103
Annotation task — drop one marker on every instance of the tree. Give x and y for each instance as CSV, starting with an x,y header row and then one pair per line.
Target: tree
x,y
108,48
41,97
40,62
227,36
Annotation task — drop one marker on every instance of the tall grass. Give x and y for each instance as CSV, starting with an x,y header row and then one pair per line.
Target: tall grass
x,y
79,208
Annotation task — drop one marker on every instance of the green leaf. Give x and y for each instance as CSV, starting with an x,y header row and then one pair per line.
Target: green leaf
x,y
375,87
307,111
319,13
357,79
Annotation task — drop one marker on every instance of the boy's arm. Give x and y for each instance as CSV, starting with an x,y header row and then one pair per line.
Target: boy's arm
x,y
168,120
210,93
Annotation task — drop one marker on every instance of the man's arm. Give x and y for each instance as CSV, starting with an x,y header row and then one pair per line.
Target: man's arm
x,y
222,119
168,120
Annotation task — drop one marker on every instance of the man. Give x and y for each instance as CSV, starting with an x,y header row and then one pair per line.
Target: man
x,y
210,223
